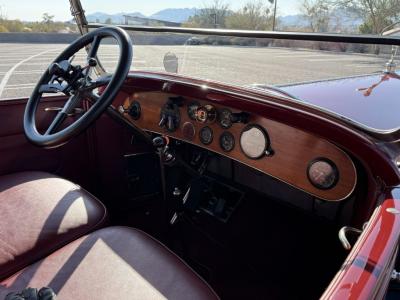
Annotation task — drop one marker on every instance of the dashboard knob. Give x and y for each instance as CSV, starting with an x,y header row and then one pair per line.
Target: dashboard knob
x,y
135,110
160,142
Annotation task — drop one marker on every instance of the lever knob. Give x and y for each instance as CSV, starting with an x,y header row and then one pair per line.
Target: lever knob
x,y
92,62
160,142
55,69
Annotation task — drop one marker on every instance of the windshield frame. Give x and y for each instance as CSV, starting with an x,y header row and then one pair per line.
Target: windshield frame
x,y
391,135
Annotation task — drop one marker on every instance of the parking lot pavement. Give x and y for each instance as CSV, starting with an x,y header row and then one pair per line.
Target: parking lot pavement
x,y
21,65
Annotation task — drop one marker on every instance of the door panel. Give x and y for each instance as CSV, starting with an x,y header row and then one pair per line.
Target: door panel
x,y
18,154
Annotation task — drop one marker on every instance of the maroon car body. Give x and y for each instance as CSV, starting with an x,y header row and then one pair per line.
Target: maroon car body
x,y
356,116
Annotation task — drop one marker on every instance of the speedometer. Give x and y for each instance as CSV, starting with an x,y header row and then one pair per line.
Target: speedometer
x,y
323,173
254,141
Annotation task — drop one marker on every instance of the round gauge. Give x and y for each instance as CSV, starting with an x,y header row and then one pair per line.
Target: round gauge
x,y
225,118
227,141
192,109
206,135
188,131
254,141
323,173
206,113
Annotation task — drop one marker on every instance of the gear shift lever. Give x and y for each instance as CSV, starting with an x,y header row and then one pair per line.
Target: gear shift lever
x,y
161,143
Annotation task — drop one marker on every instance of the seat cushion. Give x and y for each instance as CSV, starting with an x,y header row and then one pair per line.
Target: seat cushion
x,y
113,263
40,213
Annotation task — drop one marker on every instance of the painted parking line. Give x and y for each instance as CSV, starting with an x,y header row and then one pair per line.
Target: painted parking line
x,y
338,59
19,58
303,55
21,84
47,63
19,87
7,76
24,72
376,65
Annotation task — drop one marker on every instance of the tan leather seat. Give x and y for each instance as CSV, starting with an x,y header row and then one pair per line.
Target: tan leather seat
x,y
40,213
112,263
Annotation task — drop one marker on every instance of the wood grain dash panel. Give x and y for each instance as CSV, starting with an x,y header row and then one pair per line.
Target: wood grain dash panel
x,y
293,148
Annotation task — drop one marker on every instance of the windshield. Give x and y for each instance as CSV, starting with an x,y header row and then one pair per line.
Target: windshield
x,y
263,61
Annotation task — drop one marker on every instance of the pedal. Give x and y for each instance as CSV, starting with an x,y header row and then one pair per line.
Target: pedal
x,y
174,218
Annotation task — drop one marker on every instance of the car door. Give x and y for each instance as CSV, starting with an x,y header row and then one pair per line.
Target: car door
x,y
18,154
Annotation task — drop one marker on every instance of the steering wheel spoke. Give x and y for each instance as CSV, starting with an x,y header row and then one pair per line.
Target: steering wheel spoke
x,y
94,47
67,110
92,54
58,120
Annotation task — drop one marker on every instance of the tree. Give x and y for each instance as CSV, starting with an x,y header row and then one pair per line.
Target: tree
x,y
255,15
3,28
2,14
47,19
317,13
212,15
376,14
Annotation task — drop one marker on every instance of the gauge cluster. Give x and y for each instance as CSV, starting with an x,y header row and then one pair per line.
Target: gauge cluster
x,y
254,140
286,153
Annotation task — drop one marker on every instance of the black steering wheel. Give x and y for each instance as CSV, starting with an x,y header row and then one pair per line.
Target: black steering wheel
x,y
75,81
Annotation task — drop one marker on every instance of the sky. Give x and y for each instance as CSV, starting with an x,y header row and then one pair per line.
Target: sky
x,y
32,10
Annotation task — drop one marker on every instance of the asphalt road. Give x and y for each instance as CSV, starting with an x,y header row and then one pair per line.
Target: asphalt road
x,y
21,65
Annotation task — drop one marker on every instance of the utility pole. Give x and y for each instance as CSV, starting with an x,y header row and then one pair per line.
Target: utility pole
x,y
274,19
214,16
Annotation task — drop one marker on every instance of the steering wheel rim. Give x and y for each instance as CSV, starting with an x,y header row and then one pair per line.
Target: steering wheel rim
x,y
54,139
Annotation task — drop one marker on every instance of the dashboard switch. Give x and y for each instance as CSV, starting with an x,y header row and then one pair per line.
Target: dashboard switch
x,y
170,115
163,121
135,110
170,124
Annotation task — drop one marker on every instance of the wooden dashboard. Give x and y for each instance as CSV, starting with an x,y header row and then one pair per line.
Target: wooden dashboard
x,y
290,152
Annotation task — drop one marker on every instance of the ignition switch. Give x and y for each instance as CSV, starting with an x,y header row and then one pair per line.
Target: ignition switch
x,y
170,116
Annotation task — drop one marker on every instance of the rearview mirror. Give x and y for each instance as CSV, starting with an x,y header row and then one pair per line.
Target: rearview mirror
x,y
171,62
